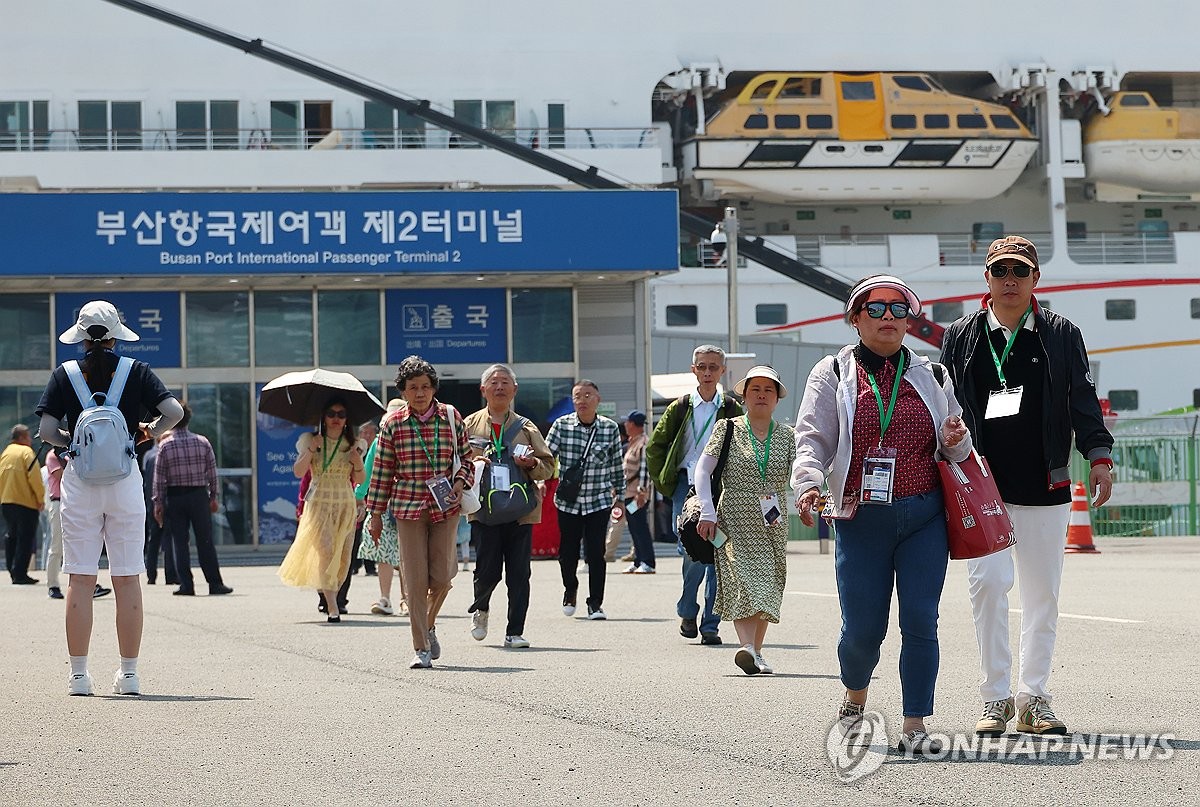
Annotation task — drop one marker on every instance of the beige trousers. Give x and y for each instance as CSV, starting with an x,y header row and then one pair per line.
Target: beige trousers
x,y
428,563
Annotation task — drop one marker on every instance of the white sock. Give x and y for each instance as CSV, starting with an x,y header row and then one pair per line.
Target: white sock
x,y
128,665
79,665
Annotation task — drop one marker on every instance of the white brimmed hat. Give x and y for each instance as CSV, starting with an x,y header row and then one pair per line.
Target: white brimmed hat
x,y
761,371
98,320
868,285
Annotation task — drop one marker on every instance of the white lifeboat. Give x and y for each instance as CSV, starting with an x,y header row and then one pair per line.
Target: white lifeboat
x,y
1143,146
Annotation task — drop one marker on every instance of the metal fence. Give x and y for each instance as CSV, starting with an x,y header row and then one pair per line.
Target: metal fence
x,y
1155,479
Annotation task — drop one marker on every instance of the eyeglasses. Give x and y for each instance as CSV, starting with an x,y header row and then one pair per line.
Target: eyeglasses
x,y
875,309
1001,270
336,414
708,368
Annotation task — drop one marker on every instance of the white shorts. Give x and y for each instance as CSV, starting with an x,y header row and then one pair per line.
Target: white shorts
x,y
96,516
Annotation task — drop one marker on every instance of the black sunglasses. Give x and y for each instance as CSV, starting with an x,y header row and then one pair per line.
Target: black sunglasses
x,y
340,414
1018,269
875,309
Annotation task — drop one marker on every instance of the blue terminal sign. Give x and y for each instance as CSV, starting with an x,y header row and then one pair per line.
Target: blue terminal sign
x,y
447,325
360,233
152,315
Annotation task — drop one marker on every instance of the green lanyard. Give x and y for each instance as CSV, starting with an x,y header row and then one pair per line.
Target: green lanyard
x,y
1012,340
497,438
696,438
760,458
437,431
326,461
885,417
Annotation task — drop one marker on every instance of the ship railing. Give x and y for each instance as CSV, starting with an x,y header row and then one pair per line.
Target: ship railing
x,y
315,139
956,249
1123,248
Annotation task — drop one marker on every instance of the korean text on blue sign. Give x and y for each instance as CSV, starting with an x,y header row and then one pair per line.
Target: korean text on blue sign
x,y
453,326
152,315
430,232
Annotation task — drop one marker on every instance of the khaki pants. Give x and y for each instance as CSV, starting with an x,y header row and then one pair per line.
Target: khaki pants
x,y
427,565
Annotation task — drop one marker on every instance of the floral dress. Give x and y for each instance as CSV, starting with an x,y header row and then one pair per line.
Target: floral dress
x,y
320,554
752,563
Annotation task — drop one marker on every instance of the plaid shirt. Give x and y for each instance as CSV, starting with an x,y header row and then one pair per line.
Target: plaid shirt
x,y
401,466
184,459
637,475
603,479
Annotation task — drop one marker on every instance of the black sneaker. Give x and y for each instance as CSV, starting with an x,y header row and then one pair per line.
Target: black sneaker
x,y
100,591
218,589
688,629
710,638
54,593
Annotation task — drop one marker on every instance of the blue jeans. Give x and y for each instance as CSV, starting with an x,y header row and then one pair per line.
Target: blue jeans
x,y
694,574
904,542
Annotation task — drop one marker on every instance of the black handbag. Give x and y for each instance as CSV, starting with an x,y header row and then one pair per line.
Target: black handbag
x,y
570,481
698,549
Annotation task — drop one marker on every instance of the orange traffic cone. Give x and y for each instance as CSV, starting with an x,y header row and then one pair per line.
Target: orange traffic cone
x,y
1079,531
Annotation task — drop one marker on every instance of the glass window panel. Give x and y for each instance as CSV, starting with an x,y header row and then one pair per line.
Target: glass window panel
x,y
412,130
191,124
283,328
1196,308
1120,309
537,398
93,124
1135,100
502,118
543,325
682,316
802,87
13,123
1004,122
904,121
1196,398
378,125
223,120
858,90
17,405
218,329
471,113
787,121
948,312
222,413
937,121
127,124
285,123
972,122
348,327
756,122
911,83
27,340
1123,400
819,121
556,117
41,125
770,314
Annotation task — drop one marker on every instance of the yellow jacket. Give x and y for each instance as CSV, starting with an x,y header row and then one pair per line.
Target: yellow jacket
x,y
18,485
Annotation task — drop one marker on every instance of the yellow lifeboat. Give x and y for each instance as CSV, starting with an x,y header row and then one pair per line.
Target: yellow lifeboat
x,y
1143,146
840,137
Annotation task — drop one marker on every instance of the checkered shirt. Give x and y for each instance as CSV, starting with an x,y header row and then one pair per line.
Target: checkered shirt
x,y
184,459
402,468
603,478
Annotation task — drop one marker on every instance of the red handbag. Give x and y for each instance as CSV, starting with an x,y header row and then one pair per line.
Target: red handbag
x,y
977,522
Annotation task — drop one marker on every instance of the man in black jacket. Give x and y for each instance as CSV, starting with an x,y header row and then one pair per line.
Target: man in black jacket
x,y
1022,376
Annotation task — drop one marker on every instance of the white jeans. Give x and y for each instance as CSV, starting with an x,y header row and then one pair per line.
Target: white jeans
x,y
1038,554
54,552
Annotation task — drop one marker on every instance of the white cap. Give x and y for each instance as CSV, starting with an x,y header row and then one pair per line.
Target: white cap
x,y
868,285
761,371
98,320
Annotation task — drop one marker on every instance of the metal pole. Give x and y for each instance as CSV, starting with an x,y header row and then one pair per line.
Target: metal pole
x,y
731,259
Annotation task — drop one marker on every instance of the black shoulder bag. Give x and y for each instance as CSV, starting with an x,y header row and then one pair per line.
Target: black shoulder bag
x,y
698,549
571,479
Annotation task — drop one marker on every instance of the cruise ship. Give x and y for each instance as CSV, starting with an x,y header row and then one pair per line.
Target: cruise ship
x,y
541,185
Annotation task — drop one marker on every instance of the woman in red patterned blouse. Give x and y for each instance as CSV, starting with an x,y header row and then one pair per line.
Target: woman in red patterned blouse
x,y
872,419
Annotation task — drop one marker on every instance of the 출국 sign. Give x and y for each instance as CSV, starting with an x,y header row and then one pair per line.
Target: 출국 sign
x,y
448,326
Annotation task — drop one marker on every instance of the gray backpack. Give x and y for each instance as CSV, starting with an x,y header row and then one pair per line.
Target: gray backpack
x,y
101,447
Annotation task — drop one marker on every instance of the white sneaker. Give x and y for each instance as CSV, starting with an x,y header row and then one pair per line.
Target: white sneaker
x,y
126,683
596,613
80,684
420,661
479,621
644,568
403,608
568,605
630,569
383,606
516,641
763,666
435,647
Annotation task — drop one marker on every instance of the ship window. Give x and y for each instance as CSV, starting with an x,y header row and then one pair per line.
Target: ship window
x,y
1120,309
904,121
873,149
801,88
835,149
770,314
682,316
1196,308
756,122
819,121
1123,400
24,125
1005,122
972,122
1076,230
763,90
110,125
858,91
196,121
946,312
787,121
1135,100
937,121
384,127
1196,399
911,83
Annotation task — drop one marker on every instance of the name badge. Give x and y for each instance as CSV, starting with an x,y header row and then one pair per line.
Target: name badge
x,y
769,502
879,475
1004,403
500,480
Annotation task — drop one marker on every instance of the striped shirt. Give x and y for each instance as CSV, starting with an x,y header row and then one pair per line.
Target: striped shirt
x,y
603,479
402,466
637,476
185,460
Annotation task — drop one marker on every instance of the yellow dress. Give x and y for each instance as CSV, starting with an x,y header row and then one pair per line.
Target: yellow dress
x,y
320,554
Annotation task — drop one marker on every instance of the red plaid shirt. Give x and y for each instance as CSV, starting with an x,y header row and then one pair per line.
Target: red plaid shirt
x,y
402,467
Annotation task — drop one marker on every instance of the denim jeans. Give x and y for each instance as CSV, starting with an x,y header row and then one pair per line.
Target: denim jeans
x,y
904,542
694,574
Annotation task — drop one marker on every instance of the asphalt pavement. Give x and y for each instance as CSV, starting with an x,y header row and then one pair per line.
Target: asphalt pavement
x,y
252,698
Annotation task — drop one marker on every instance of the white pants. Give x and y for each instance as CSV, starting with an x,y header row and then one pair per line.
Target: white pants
x,y
1038,556
96,517
54,552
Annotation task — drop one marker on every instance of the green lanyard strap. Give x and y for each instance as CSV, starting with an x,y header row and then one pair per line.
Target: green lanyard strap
x,y
1012,340
697,437
437,432
326,461
885,417
497,439
764,448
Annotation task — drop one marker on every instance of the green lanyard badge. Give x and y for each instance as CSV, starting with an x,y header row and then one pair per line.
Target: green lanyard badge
x,y
764,448
1012,340
326,461
437,431
885,417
